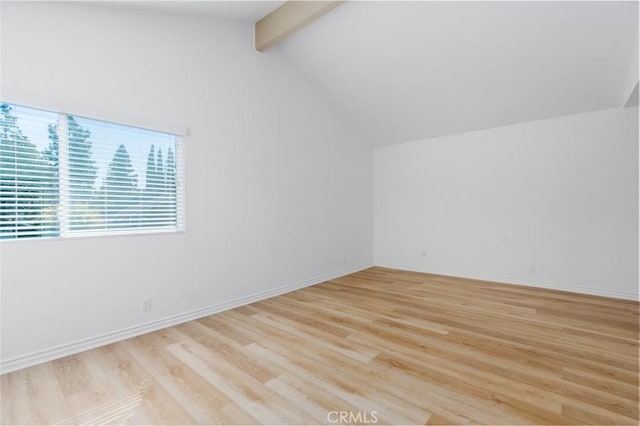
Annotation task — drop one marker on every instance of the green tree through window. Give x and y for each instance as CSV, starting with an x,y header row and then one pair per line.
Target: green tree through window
x,y
121,191
95,188
28,184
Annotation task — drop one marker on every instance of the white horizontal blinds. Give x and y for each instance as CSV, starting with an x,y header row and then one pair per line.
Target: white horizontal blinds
x,y
120,178
28,173
62,175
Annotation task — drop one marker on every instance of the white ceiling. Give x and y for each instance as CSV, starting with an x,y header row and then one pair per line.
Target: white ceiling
x,y
403,71
238,10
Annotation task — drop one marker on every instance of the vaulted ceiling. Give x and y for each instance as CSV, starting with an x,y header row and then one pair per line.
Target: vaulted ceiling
x,y
235,10
407,70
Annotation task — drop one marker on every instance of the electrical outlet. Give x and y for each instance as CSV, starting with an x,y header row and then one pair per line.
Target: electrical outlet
x,y
532,269
146,305
424,252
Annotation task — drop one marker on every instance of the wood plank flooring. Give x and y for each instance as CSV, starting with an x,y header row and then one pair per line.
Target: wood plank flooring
x,y
379,346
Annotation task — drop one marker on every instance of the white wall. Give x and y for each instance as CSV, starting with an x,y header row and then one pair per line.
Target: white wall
x,y
560,195
279,191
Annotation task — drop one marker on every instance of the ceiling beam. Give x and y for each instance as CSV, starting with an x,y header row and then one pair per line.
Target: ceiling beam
x,y
287,19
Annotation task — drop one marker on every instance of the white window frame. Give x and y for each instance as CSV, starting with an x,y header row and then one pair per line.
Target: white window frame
x,y
63,184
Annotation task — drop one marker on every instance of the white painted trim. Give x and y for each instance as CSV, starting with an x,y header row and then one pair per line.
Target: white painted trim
x,y
23,361
551,285
63,174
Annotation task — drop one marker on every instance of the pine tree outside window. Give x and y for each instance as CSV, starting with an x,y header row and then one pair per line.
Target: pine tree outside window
x,y
63,175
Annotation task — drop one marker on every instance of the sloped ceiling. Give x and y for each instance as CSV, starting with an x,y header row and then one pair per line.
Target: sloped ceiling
x,y
234,10
403,71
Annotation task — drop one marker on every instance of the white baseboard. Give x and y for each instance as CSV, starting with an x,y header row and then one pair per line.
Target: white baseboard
x,y
23,361
506,280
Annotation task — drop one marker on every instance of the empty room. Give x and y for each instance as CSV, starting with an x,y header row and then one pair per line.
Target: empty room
x,y
319,212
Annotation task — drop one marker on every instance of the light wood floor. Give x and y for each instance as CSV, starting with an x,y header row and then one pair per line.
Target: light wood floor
x,y
385,345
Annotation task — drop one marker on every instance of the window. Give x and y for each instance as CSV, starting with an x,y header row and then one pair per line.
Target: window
x,y
62,175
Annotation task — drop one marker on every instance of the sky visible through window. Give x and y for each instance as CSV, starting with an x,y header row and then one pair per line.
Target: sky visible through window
x,y
33,129
117,177
105,137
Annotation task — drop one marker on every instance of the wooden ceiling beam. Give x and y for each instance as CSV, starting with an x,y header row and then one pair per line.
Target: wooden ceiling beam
x,y
287,19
